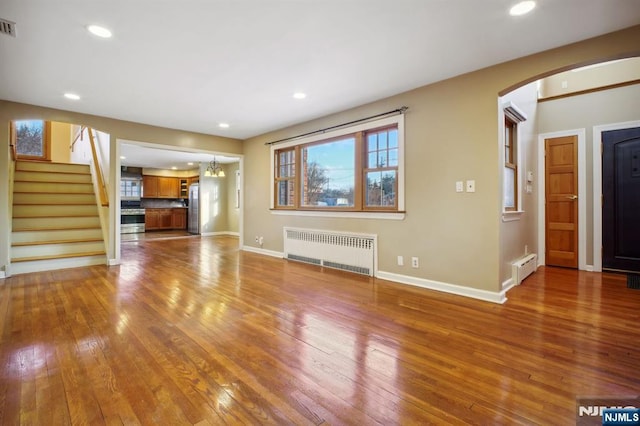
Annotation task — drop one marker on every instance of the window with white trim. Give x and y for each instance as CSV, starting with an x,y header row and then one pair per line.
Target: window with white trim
x,y
359,168
511,182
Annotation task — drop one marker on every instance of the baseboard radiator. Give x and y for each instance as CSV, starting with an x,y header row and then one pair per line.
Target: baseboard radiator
x,y
339,250
524,267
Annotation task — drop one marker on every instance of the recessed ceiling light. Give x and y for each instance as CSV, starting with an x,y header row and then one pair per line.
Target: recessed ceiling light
x,y
522,8
189,164
174,168
122,157
299,95
99,31
72,96
223,125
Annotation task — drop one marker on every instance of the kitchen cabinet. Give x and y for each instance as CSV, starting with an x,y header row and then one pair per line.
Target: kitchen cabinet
x,y
149,186
165,219
179,218
160,187
184,185
168,187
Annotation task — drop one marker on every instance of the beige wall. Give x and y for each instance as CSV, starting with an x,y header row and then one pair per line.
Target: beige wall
x,y
233,213
590,78
117,129
170,173
451,134
519,230
60,142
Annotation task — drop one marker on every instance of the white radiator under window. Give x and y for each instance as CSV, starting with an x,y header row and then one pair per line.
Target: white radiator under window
x,y
524,267
340,250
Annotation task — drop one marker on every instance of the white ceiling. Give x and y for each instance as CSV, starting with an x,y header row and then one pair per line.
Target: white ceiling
x,y
191,64
163,158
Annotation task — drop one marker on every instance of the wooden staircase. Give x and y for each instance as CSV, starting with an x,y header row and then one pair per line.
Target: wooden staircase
x,y
56,222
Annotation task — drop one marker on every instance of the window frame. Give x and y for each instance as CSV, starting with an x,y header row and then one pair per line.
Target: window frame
x,y
276,179
515,116
46,140
510,146
360,162
366,169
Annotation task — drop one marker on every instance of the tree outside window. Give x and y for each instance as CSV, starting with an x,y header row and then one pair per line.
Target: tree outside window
x,y
31,139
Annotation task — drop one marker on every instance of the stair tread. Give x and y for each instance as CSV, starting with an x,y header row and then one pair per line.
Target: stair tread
x,y
66,228
57,172
50,193
68,241
54,204
58,256
53,181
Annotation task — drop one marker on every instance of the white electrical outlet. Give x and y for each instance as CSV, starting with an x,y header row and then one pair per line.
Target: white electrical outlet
x,y
459,186
415,263
261,241
471,186
257,239
400,261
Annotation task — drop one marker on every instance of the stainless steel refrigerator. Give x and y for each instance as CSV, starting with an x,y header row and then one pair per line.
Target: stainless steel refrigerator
x,y
193,219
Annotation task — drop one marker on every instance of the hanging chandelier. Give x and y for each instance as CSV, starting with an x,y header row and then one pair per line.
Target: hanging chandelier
x,y
214,169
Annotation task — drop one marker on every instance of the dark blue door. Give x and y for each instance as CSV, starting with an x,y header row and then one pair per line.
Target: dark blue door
x,y
621,200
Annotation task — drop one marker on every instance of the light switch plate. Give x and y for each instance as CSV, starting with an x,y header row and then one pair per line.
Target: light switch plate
x,y
471,186
459,186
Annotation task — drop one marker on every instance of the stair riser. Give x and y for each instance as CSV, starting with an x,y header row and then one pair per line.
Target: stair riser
x,y
50,187
55,249
56,167
51,177
57,211
35,198
50,265
65,234
55,222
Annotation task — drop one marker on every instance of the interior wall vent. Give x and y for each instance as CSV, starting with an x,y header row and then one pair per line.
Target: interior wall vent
x,y
7,27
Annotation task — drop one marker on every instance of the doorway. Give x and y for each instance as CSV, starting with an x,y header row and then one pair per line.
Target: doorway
x,y
561,195
570,245
621,199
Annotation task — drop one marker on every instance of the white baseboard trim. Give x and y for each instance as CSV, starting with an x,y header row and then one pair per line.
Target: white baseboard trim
x,y
507,285
271,253
2,275
113,262
214,234
588,268
474,293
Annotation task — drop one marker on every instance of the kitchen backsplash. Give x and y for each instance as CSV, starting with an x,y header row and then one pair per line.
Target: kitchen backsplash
x,y
159,203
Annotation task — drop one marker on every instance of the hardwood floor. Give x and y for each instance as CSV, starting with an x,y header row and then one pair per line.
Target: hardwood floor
x,y
192,331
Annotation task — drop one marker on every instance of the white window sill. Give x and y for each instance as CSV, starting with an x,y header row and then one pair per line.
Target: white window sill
x,y
349,215
512,216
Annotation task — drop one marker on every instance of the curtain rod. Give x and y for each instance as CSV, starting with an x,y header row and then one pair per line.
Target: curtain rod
x,y
400,110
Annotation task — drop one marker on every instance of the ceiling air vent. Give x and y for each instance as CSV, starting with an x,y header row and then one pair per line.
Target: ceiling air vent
x,y
7,27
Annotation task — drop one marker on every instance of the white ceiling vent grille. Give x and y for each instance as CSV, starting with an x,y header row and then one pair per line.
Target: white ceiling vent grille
x,y
7,27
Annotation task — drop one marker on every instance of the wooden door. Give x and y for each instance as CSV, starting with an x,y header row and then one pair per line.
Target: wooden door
x,y
561,201
621,199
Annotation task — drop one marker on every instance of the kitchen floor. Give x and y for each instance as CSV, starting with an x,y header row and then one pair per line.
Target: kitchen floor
x,y
155,235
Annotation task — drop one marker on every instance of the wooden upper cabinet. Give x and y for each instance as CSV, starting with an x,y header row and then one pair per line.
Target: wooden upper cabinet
x,y
160,187
168,187
149,186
